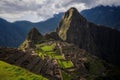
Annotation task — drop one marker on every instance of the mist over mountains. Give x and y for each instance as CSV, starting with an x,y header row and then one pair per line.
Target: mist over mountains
x,y
76,50
12,34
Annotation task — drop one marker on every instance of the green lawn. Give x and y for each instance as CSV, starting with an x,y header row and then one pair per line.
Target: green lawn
x,y
10,72
65,64
49,51
58,57
48,48
52,52
66,76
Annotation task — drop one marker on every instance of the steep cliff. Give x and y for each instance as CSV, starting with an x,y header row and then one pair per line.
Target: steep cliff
x,y
98,40
67,54
33,38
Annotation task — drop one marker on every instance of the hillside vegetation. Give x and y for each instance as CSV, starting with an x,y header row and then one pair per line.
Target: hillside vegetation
x,y
10,72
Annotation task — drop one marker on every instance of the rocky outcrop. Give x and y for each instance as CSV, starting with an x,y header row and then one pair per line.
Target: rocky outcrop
x,y
83,65
52,36
54,57
98,40
32,62
33,38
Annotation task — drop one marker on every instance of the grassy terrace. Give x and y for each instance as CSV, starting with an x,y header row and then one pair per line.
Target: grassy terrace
x,y
10,72
66,76
65,64
43,49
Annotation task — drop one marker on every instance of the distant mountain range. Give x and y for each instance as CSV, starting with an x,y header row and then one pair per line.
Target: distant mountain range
x,y
76,50
99,40
104,15
12,34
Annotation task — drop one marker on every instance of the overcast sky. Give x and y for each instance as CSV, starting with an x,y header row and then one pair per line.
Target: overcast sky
x,y
37,10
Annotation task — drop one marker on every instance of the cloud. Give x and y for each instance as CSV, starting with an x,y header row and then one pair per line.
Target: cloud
x,y
37,10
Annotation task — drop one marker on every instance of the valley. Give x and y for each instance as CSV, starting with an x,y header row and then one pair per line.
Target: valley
x,y
76,50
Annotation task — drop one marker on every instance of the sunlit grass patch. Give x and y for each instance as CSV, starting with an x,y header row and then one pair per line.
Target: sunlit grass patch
x,y
11,72
66,76
48,47
65,64
58,57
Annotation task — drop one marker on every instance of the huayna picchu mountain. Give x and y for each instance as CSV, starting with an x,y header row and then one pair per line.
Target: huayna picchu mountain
x,y
59,60
77,50
98,40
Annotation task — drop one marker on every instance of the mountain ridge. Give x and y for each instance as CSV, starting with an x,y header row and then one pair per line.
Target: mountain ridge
x,y
90,37
18,30
21,28
73,52
104,15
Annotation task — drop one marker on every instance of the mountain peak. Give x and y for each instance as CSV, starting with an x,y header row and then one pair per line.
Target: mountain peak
x,y
71,13
74,28
33,38
34,35
34,30
71,21
73,9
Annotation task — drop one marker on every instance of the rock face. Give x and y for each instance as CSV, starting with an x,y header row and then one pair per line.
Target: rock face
x,y
33,38
31,61
98,40
71,19
74,28
81,64
56,59
52,36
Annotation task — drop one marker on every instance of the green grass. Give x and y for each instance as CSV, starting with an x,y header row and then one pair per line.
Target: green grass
x,y
95,66
58,57
66,76
65,64
53,52
48,50
10,72
48,47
